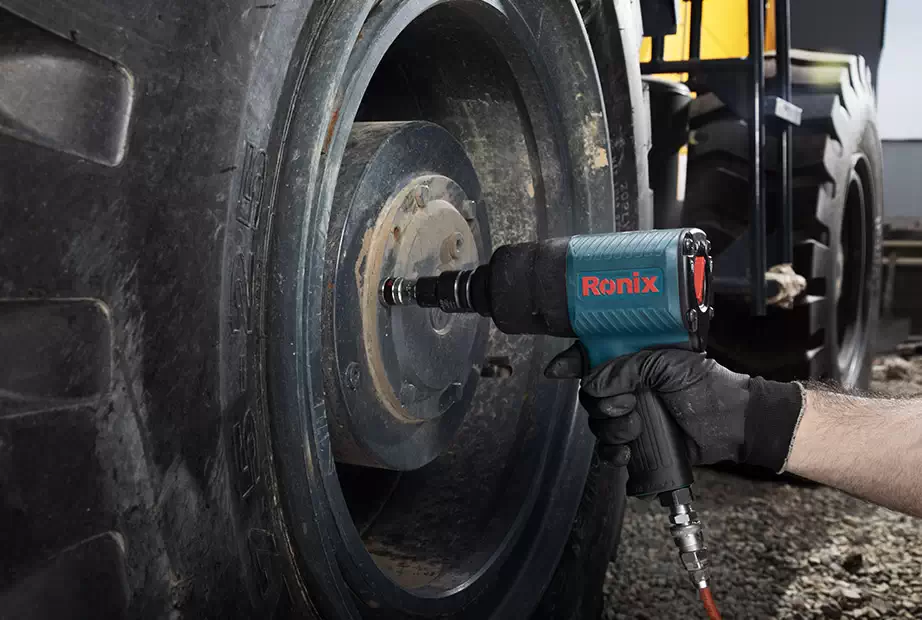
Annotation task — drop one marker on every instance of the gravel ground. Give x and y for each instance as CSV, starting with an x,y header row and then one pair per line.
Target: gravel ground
x,y
780,549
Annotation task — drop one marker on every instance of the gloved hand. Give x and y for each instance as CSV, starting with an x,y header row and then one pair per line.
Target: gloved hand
x,y
726,416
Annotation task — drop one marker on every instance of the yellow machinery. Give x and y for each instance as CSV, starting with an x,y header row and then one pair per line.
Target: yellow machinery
x,y
783,173
724,31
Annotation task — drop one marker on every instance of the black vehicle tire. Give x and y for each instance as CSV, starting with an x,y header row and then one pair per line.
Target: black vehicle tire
x,y
838,204
167,396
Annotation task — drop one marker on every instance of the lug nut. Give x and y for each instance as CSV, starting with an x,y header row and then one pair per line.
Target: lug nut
x,y
455,248
352,376
422,196
408,394
469,210
452,246
496,368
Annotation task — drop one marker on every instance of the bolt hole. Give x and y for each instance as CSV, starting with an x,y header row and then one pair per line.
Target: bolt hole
x,y
396,233
496,368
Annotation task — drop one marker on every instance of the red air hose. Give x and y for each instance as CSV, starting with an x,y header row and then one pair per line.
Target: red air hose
x,y
709,606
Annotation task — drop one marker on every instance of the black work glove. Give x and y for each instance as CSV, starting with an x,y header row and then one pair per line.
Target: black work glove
x,y
726,416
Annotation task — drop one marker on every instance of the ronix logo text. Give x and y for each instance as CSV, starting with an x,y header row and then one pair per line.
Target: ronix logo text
x,y
643,282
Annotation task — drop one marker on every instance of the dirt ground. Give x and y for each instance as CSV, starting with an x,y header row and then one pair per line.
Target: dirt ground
x,y
780,549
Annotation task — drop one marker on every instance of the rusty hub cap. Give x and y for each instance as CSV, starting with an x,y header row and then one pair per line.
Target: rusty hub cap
x,y
419,232
406,375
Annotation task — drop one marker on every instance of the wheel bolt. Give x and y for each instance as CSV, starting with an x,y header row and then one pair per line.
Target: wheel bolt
x,y
452,246
496,368
352,376
469,210
455,248
422,196
408,394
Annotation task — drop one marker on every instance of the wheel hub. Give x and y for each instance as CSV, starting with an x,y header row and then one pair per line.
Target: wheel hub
x,y
421,358
407,194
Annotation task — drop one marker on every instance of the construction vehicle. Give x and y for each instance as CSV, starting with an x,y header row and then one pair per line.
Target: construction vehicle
x,y
204,409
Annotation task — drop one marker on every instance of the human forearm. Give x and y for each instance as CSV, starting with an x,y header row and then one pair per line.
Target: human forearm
x,y
869,447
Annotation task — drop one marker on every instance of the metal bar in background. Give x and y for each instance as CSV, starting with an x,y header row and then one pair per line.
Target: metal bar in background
x,y
905,261
785,142
903,243
694,34
756,167
690,66
659,48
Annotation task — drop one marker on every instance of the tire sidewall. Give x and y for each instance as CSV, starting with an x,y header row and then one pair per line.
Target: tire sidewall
x,y
870,146
265,553
867,145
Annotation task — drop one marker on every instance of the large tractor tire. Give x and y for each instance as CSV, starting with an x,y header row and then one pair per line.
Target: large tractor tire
x,y
837,189
204,412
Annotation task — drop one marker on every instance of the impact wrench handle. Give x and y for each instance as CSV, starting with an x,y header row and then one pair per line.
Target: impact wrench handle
x,y
658,461
659,466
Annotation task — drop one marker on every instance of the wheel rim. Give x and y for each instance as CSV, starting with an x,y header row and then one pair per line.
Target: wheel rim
x,y
443,537
852,265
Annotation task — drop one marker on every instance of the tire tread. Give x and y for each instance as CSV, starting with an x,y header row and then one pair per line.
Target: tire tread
x,y
836,95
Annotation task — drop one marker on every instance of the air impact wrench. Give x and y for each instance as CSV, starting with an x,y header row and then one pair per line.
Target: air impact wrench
x,y
618,293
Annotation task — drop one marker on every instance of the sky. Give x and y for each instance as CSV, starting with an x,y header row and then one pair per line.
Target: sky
x,y
899,84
